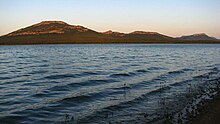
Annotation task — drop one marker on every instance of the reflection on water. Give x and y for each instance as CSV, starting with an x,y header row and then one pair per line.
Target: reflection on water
x,y
104,83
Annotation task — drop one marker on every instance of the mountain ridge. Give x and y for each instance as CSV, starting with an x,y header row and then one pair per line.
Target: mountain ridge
x,y
56,32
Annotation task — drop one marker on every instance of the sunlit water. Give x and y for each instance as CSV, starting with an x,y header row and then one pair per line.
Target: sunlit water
x,y
103,83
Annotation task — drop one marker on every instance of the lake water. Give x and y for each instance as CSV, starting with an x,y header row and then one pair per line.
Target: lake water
x,y
104,83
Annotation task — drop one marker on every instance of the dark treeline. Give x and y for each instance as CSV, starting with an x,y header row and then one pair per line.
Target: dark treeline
x,y
90,39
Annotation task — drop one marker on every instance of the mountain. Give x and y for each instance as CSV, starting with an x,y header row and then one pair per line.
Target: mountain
x,y
201,37
50,27
59,32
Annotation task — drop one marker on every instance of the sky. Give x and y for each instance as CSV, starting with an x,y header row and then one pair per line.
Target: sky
x,y
170,17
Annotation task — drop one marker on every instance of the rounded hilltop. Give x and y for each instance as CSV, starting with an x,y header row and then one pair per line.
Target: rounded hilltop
x,y
51,22
200,34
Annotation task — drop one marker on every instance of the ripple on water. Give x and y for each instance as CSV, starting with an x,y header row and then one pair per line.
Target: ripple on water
x,y
142,71
60,76
122,75
155,68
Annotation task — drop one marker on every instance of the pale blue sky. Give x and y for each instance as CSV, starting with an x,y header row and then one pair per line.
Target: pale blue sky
x,y
170,17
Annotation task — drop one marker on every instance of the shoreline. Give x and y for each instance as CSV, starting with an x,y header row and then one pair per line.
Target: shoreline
x,y
108,44
209,113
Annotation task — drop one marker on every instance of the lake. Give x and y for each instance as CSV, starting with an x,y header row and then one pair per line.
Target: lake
x,y
132,83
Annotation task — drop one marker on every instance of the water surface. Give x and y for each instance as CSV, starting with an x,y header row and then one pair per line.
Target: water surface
x,y
103,83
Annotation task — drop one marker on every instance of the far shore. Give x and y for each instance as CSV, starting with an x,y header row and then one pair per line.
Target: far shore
x,y
63,43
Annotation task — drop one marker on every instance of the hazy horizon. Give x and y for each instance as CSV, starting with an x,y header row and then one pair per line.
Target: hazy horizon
x,y
172,17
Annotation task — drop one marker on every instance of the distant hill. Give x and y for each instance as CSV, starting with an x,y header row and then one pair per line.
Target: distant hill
x,y
148,35
58,32
50,27
201,36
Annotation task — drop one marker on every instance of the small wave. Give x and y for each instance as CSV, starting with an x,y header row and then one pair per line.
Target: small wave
x,y
5,62
22,63
33,84
44,65
159,90
71,86
155,68
187,69
5,78
60,76
176,72
12,94
81,98
103,57
215,69
181,83
13,82
213,72
92,82
122,75
142,71
1,87
76,99
38,72
22,57
134,65
40,95
202,76
59,88
89,73
121,88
